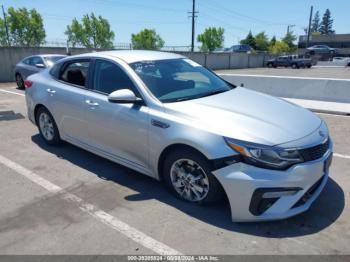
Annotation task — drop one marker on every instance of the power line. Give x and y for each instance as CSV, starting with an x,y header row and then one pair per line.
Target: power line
x,y
61,17
133,5
223,22
229,12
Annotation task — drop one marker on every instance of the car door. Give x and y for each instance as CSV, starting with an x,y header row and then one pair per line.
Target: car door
x,y
25,67
119,131
67,91
280,61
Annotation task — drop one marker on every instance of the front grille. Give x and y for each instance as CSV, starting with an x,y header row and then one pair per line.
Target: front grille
x,y
315,152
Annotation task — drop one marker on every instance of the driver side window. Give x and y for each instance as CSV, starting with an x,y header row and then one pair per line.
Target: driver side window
x,y
109,77
36,60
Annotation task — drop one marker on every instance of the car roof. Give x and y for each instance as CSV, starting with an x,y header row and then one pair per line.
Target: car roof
x,y
44,55
48,55
131,56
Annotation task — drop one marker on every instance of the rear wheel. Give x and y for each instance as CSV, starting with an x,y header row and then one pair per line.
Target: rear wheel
x,y
47,127
19,81
188,175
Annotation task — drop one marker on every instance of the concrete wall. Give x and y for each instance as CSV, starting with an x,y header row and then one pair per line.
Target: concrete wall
x,y
10,56
300,88
216,61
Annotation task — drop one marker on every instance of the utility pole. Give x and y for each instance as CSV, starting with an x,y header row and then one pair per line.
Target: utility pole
x,y
193,23
6,27
288,28
309,29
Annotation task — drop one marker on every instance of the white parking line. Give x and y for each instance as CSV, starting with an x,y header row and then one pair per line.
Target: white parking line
x,y
10,92
332,115
287,77
92,210
341,155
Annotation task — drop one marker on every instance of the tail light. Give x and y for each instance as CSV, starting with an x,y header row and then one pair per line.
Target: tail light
x,y
28,83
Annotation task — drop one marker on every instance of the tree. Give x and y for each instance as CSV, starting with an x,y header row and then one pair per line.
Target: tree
x,y
273,41
315,26
147,39
279,47
92,32
211,39
25,28
261,42
249,40
327,24
3,36
289,40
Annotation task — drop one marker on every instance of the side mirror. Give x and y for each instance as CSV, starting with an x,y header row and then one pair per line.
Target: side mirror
x,y
123,96
40,65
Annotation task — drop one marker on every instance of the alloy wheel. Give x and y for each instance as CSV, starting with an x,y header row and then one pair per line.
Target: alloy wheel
x,y
189,180
46,126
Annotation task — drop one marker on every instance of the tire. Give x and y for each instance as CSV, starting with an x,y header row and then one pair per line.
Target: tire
x,y
19,81
308,66
193,175
295,66
47,127
269,65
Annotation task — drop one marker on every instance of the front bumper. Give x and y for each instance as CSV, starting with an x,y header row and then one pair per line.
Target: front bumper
x,y
241,180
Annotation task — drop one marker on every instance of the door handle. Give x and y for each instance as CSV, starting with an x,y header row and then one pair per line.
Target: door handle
x,y
91,103
51,91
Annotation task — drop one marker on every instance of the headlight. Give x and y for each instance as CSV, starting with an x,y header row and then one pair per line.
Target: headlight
x,y
265,156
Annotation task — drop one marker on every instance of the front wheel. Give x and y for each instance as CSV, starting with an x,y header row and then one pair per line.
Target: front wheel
x,y
188,175
47,127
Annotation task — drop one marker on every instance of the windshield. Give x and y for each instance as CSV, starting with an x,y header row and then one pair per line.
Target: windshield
x,y
51,60
176,80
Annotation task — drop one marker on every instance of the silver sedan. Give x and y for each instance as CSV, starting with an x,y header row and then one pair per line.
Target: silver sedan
x,y
33,64
167,117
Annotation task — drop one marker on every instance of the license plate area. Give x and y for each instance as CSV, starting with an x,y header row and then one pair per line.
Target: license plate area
x,y
327,163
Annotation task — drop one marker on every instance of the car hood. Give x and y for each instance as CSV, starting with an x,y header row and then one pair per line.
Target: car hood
x,y
247,115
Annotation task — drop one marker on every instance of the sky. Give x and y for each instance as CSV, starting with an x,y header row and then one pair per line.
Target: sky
x,y
171,20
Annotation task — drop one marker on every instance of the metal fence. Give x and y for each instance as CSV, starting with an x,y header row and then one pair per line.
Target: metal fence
x,y
118,46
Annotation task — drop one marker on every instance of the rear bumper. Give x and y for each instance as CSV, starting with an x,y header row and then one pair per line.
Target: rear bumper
x,y
30,107
242,182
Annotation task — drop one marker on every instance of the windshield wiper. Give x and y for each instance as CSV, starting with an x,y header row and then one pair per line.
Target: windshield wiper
x,y
214,93
194,97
